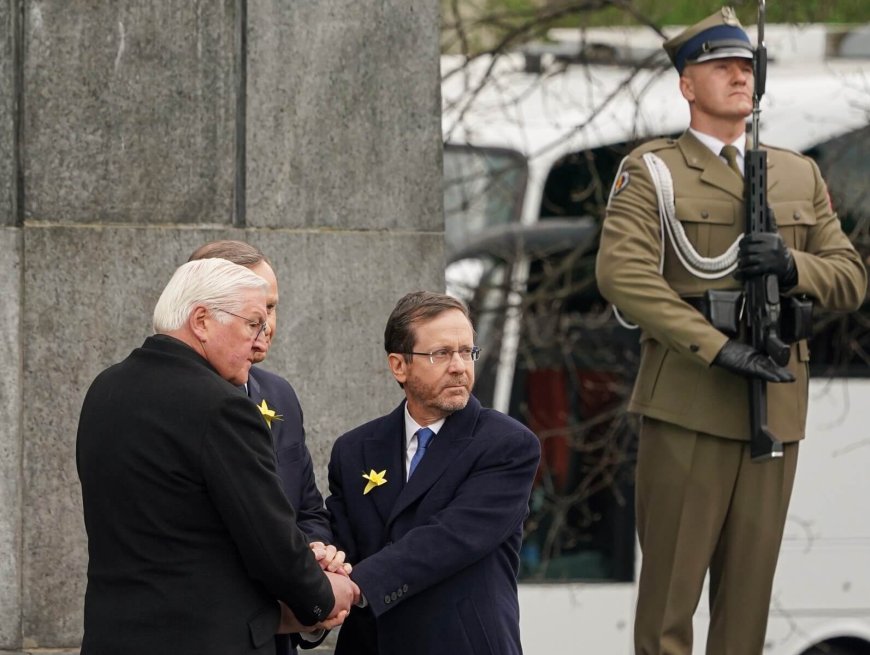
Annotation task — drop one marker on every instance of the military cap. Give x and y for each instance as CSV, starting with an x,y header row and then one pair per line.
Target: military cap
x,y
716,37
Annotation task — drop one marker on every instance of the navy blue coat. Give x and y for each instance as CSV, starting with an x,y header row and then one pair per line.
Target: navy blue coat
x,y
436,557
294,465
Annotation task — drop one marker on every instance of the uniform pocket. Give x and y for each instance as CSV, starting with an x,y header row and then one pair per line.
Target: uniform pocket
x,y
793,220
709,223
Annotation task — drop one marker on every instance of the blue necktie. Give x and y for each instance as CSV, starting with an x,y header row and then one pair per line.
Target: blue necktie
x,y
424,436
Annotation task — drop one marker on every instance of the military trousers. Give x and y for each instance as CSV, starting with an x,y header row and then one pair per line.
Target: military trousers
x,y
702,504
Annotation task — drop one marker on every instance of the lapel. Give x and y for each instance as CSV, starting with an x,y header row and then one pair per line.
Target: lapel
x,y
771,177
255,393
383,449
713,170
455,435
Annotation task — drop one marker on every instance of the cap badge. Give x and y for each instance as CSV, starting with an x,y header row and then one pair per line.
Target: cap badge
x,y
729,17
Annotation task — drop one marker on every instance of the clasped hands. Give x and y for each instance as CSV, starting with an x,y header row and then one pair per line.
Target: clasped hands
x,y
345,591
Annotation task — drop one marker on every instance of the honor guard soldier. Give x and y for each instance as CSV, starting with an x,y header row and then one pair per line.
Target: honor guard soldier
x,y
673,258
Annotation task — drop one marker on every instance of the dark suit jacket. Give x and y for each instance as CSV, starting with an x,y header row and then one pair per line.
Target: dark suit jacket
x,y
436,557
294,468
190,537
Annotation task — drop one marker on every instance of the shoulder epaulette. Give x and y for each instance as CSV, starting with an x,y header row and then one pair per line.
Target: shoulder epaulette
x,y
654,146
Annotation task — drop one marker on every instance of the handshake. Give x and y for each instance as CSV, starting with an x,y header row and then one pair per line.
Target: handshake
x,y
345,591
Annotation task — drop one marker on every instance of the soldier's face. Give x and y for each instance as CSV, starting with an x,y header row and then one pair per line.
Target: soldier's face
x,y
719,89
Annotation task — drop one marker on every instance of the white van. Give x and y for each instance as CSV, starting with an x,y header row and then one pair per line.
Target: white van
x,y
531,147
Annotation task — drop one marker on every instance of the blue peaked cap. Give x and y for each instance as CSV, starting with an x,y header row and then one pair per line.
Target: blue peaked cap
x,y
714,43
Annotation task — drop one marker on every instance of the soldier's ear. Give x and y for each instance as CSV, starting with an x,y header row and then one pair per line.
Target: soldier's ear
x,y
687,87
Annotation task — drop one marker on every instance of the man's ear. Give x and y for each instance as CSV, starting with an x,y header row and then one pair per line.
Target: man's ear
x,y
398,366
687,87
197,321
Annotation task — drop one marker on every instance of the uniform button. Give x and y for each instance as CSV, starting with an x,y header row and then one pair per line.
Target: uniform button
x,y
405,588
705,214
797,216
387,600
694,348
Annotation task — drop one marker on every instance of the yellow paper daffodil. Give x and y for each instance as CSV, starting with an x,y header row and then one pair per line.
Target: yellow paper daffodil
x,y
374,480
268,413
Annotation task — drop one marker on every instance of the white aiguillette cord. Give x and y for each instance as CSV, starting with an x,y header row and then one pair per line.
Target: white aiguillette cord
x,y
706,268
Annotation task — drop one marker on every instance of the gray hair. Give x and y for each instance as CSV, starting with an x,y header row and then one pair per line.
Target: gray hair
x,y
237,252
215,283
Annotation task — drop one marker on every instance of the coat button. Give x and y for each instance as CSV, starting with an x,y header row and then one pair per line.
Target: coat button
x,y
705,214
405,588
394,595
797,216
387,599
399,593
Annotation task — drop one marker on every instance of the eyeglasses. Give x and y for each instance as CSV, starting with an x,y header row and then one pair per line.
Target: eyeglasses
x,y
256,327
443,355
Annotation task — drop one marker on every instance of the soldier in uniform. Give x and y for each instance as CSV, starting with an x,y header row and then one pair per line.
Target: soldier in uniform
x,y
702,504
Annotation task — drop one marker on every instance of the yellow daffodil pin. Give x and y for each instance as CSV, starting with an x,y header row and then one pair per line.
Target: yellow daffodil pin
x,y
268,413
375,479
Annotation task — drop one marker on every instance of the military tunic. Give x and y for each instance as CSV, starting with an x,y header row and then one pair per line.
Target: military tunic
x,y
675,382
702,505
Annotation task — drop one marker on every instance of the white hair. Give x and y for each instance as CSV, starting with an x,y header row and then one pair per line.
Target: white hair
x,y
215,283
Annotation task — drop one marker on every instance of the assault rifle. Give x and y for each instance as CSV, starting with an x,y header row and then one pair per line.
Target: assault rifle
x,y
762,292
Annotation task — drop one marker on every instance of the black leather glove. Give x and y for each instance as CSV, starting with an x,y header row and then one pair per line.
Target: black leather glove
x,y
746,361
760,254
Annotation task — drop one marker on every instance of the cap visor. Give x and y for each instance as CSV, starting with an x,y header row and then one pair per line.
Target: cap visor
x,y
723,53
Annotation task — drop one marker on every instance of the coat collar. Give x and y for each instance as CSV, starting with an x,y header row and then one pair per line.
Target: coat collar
x,y
384,449
713,170
453,437
254,390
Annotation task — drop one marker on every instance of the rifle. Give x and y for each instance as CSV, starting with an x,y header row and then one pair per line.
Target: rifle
x,y
762,292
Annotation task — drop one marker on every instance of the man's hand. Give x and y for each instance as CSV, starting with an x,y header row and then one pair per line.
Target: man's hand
x,y
746,361
290,624
345,591
330,558
760,254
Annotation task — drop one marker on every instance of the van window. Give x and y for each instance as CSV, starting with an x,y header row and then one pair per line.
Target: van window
x,y
483,187
575,366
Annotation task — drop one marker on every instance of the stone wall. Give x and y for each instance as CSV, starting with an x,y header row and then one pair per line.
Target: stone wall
x,y
130,133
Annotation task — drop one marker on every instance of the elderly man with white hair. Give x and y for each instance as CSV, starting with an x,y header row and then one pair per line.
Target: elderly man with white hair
x,y
193,547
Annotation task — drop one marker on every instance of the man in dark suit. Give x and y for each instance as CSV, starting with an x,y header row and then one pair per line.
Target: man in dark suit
x,y
279,404
429,501
277,400
191,542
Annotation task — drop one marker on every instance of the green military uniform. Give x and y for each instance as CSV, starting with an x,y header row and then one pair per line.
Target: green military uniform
x,y
701,502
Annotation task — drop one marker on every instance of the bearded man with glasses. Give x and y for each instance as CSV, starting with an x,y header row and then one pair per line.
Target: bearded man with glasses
x,y
428,501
